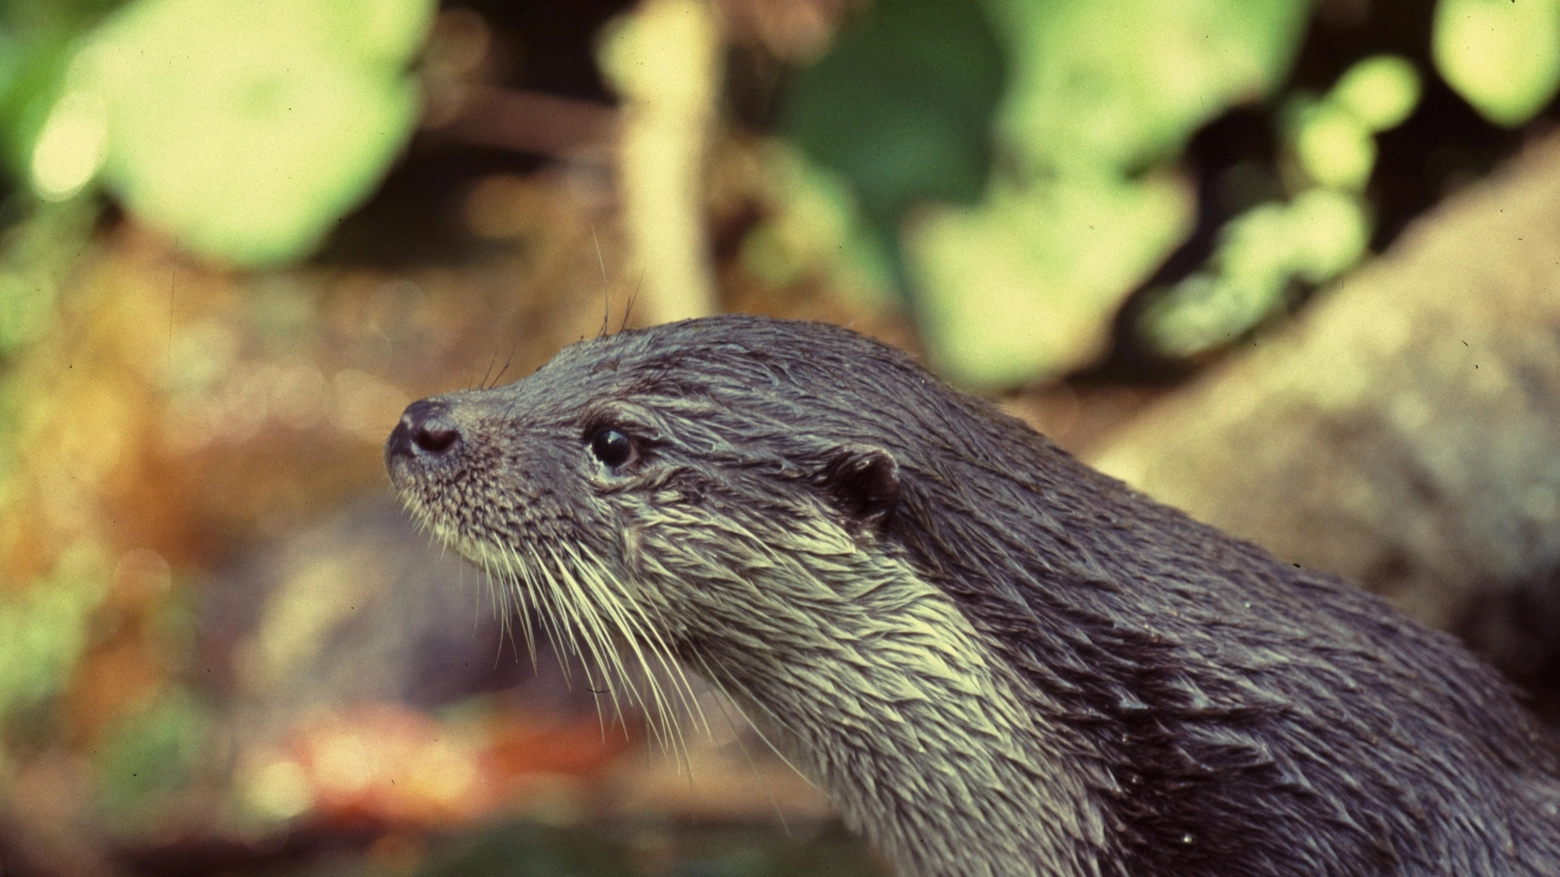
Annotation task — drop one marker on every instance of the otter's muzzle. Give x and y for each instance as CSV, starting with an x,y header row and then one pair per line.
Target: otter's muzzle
x,y
426,432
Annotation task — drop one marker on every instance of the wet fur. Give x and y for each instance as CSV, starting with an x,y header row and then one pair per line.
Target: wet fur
x,y
994,659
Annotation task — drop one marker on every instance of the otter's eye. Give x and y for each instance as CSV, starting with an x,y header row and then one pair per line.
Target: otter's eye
x,y
611,447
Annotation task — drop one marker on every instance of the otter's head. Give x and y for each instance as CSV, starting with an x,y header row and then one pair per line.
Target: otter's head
x,y
789,508
687,486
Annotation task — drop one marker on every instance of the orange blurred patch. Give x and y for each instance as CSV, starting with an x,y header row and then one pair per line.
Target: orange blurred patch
x,y
392,765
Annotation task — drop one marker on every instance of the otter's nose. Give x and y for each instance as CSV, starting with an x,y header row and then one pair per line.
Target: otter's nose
x,y
426,430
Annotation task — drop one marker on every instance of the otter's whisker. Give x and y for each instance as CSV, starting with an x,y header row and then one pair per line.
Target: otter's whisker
x,y
584,627
665,706
562,636
490,575
720,679
524,609
513,583
588,583
638,641
508,602
520,577
721,700
635,634
593,589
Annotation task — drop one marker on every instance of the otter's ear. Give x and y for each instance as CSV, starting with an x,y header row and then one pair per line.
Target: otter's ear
x,y
862,482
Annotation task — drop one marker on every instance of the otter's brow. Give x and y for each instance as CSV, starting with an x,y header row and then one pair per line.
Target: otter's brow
x,y
667,380
634,421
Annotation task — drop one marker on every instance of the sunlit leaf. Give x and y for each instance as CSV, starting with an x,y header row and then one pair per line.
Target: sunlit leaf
x,y
1097,92
1379,91
1503,57
247,129
388,31
72,146
1329,234
1335,147
1315,238
1124,83
1026,283
31,72
816,227
44,630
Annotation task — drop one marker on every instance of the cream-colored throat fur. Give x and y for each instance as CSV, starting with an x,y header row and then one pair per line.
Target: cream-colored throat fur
x,y
882,690
897,707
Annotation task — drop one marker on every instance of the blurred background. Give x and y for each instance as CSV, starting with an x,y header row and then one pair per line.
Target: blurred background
x,y
1289,265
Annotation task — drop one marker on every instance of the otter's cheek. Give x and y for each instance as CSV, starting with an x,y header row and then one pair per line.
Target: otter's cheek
x,y
633,554
638,579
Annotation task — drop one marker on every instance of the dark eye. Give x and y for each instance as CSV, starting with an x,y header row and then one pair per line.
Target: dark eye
x,y
611,447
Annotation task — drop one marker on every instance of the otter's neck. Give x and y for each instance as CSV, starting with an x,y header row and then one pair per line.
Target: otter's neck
x,y
897,706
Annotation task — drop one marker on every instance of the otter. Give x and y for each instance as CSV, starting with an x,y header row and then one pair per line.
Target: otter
x,y
994,659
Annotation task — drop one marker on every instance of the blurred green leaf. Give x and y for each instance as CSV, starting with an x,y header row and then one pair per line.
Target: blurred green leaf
x,y
52,16
1028,281
386,31
43,629
1264,254
902,105
1123,84
815,229
37,42
527,849
35,254
32,70
1381,91
247,129
1501,56
523,849
150,755
1316,237
1334,147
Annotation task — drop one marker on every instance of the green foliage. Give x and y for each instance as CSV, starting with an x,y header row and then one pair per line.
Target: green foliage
x,y
30,73
37,42
1333,140
43,630
1381,91
816,226
1312,238
148,757
1098,99
53,16
1332,146
243,129
1123,84
902,105
34,255
905,107
1027,282
1501,56
526,849
247,129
